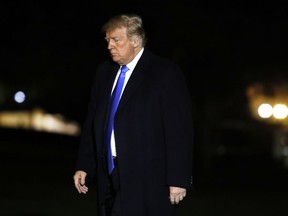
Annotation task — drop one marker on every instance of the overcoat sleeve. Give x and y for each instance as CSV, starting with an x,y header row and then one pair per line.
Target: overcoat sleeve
x,y
86,153
178,129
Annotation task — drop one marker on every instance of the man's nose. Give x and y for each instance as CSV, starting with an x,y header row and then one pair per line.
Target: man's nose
x,y
110,45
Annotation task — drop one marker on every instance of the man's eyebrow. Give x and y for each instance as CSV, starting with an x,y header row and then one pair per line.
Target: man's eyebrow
x,y
115,39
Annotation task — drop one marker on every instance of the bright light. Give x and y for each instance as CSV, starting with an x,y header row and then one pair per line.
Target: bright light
x,y
19,97
280,111
265,110
39,120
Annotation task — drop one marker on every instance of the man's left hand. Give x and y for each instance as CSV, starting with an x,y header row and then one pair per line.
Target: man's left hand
x,y
177,194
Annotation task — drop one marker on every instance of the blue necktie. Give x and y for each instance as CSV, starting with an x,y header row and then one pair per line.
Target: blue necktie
x,y
115,98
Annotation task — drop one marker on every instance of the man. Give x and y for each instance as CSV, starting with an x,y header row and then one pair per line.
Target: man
x,y
151,133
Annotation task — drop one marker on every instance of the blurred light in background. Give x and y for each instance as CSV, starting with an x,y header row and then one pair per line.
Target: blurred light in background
x,y
265,110
39,120
280,111
19,97
268,103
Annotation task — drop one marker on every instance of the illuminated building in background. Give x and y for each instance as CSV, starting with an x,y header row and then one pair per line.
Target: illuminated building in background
x,y
269,104
39,120
270,107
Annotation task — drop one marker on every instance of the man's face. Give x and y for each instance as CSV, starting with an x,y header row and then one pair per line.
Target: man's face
x,y
121,48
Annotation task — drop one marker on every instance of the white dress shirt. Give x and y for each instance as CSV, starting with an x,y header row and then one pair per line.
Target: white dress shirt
x,y
131,67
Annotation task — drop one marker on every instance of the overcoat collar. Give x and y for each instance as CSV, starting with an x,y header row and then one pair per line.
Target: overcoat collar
x,y
135,80
113,72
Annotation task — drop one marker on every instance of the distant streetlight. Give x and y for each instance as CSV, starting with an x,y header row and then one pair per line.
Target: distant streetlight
x,y
265,110
280,111
19,97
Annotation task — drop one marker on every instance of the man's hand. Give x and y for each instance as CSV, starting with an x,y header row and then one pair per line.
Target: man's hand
x,y
79,181
177,194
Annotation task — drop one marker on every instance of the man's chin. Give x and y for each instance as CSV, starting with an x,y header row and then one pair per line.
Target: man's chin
x,y
115,59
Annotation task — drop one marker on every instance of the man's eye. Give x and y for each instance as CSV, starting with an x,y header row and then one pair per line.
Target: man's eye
x,y
114,40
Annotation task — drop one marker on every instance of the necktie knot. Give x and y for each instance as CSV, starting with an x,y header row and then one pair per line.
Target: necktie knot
x,y
124,69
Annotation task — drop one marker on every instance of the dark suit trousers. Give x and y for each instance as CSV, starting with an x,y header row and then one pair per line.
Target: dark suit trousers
x,y
112,204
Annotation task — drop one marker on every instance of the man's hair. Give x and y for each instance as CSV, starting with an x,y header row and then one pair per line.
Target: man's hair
x,y
132,22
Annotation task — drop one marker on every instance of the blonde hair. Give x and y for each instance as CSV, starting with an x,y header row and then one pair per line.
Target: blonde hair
x,y
132,22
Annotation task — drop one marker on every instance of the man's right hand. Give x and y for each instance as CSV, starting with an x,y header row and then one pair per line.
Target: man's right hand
x,y
79,181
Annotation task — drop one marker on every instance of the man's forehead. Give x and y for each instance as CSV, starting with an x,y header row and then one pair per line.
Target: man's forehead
x,y
120,31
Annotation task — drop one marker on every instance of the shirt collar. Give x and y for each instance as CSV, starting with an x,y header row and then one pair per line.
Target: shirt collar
x,y
133,63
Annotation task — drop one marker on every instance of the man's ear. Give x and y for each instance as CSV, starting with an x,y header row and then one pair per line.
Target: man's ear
x,y
136,42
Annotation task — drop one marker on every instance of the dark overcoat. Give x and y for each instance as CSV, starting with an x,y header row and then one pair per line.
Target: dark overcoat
x,y
153,133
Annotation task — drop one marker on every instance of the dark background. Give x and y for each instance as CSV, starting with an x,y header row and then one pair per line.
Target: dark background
x,y
50,50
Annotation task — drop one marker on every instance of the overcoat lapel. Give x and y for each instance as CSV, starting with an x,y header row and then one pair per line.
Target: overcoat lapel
x,y
111,79
135,80
133,83
108,89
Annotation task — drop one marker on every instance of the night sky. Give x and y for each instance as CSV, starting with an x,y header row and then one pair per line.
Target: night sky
x,y
51,50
